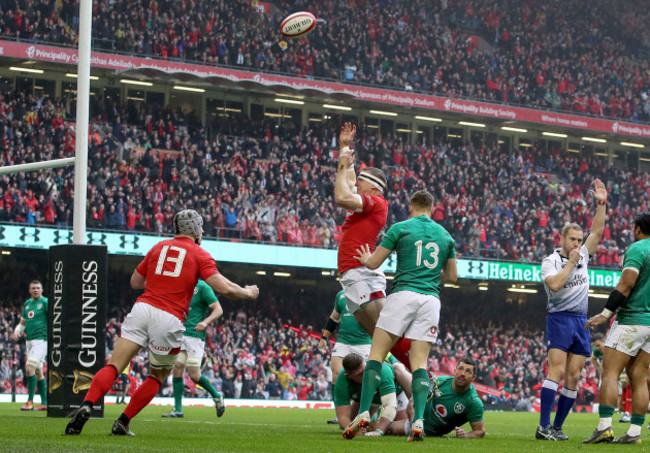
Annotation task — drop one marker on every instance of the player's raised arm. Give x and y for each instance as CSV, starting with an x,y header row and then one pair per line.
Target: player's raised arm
x,y
344,195
598,225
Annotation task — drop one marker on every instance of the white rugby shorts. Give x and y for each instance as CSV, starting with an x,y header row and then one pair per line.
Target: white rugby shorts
x,y
153,328
362,285
412,315
341,350
629,339
36,352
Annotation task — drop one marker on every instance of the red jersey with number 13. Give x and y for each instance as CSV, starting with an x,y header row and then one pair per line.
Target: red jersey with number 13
x,y
361,227
172,269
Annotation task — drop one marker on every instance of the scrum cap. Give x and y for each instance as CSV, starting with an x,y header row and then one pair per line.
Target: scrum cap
x,y
189,222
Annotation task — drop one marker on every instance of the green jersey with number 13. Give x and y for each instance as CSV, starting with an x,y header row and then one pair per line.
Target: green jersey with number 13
x,y
423,247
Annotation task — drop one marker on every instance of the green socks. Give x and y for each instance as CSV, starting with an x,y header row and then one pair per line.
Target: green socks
x,y
206,384
179,387
637,419
31,387
42,390
420,387
606,411
371,381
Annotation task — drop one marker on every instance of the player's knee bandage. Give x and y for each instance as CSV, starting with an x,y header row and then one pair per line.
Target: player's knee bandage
x,y
194,361
34,362
390,406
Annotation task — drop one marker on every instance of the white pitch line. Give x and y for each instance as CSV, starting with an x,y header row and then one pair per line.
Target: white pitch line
x,y
228,423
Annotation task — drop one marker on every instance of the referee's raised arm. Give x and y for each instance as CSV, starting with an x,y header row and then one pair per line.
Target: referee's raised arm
x,y
598,225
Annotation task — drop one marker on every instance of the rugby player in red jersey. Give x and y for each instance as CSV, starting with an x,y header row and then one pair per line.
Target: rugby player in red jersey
x,y
168,275
363,197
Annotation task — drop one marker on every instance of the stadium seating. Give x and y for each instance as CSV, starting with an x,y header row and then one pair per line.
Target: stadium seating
x,y
563,56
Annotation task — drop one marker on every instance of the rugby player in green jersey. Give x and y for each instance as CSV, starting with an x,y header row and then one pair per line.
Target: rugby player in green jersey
x,y
351,337
425,252
33,322
347,393
204,309
452,402
628,342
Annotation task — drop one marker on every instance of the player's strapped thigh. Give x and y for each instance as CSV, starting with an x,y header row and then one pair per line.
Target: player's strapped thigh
x,y
566,331
182,357
341,350
629,339
362,285
36,353
194,348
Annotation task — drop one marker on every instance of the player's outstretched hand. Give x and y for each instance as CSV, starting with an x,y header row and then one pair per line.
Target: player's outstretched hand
x,y
363,254
323,346
254,291
595,321
460,432
348,130
600,191
200,327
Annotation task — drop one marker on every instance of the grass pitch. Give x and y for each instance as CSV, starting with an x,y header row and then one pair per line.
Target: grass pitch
x,y
276,430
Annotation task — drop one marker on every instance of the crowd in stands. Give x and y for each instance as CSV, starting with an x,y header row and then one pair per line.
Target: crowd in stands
x,y
556,55
275,185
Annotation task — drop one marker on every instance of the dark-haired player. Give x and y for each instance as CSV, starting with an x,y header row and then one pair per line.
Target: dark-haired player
x,y
452,402
628,342
425,254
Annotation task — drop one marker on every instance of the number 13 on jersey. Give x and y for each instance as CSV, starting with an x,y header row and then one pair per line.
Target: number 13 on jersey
x,y
433,254
177,260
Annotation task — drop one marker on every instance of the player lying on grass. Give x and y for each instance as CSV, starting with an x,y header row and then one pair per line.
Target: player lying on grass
x,y
452,402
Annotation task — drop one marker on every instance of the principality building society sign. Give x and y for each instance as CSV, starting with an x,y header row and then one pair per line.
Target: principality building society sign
x,y
125,243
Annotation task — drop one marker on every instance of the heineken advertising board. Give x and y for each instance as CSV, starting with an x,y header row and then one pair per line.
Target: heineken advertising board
x,y
127,243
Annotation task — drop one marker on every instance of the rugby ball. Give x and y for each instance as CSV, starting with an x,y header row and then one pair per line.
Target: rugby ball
x,y
298,24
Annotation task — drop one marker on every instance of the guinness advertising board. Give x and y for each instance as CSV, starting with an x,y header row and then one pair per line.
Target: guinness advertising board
x,y
76,325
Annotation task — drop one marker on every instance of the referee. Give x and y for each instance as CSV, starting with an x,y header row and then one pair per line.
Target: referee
x,y
566,281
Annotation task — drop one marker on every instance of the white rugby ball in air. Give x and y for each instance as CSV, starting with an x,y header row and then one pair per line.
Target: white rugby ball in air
x,y
298,24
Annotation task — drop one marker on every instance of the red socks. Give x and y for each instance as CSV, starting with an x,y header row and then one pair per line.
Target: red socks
x,y
101,384
626,398
142,396
401,351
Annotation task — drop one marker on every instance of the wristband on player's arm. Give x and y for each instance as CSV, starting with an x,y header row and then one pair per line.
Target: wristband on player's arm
x,y
330,326
615,300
